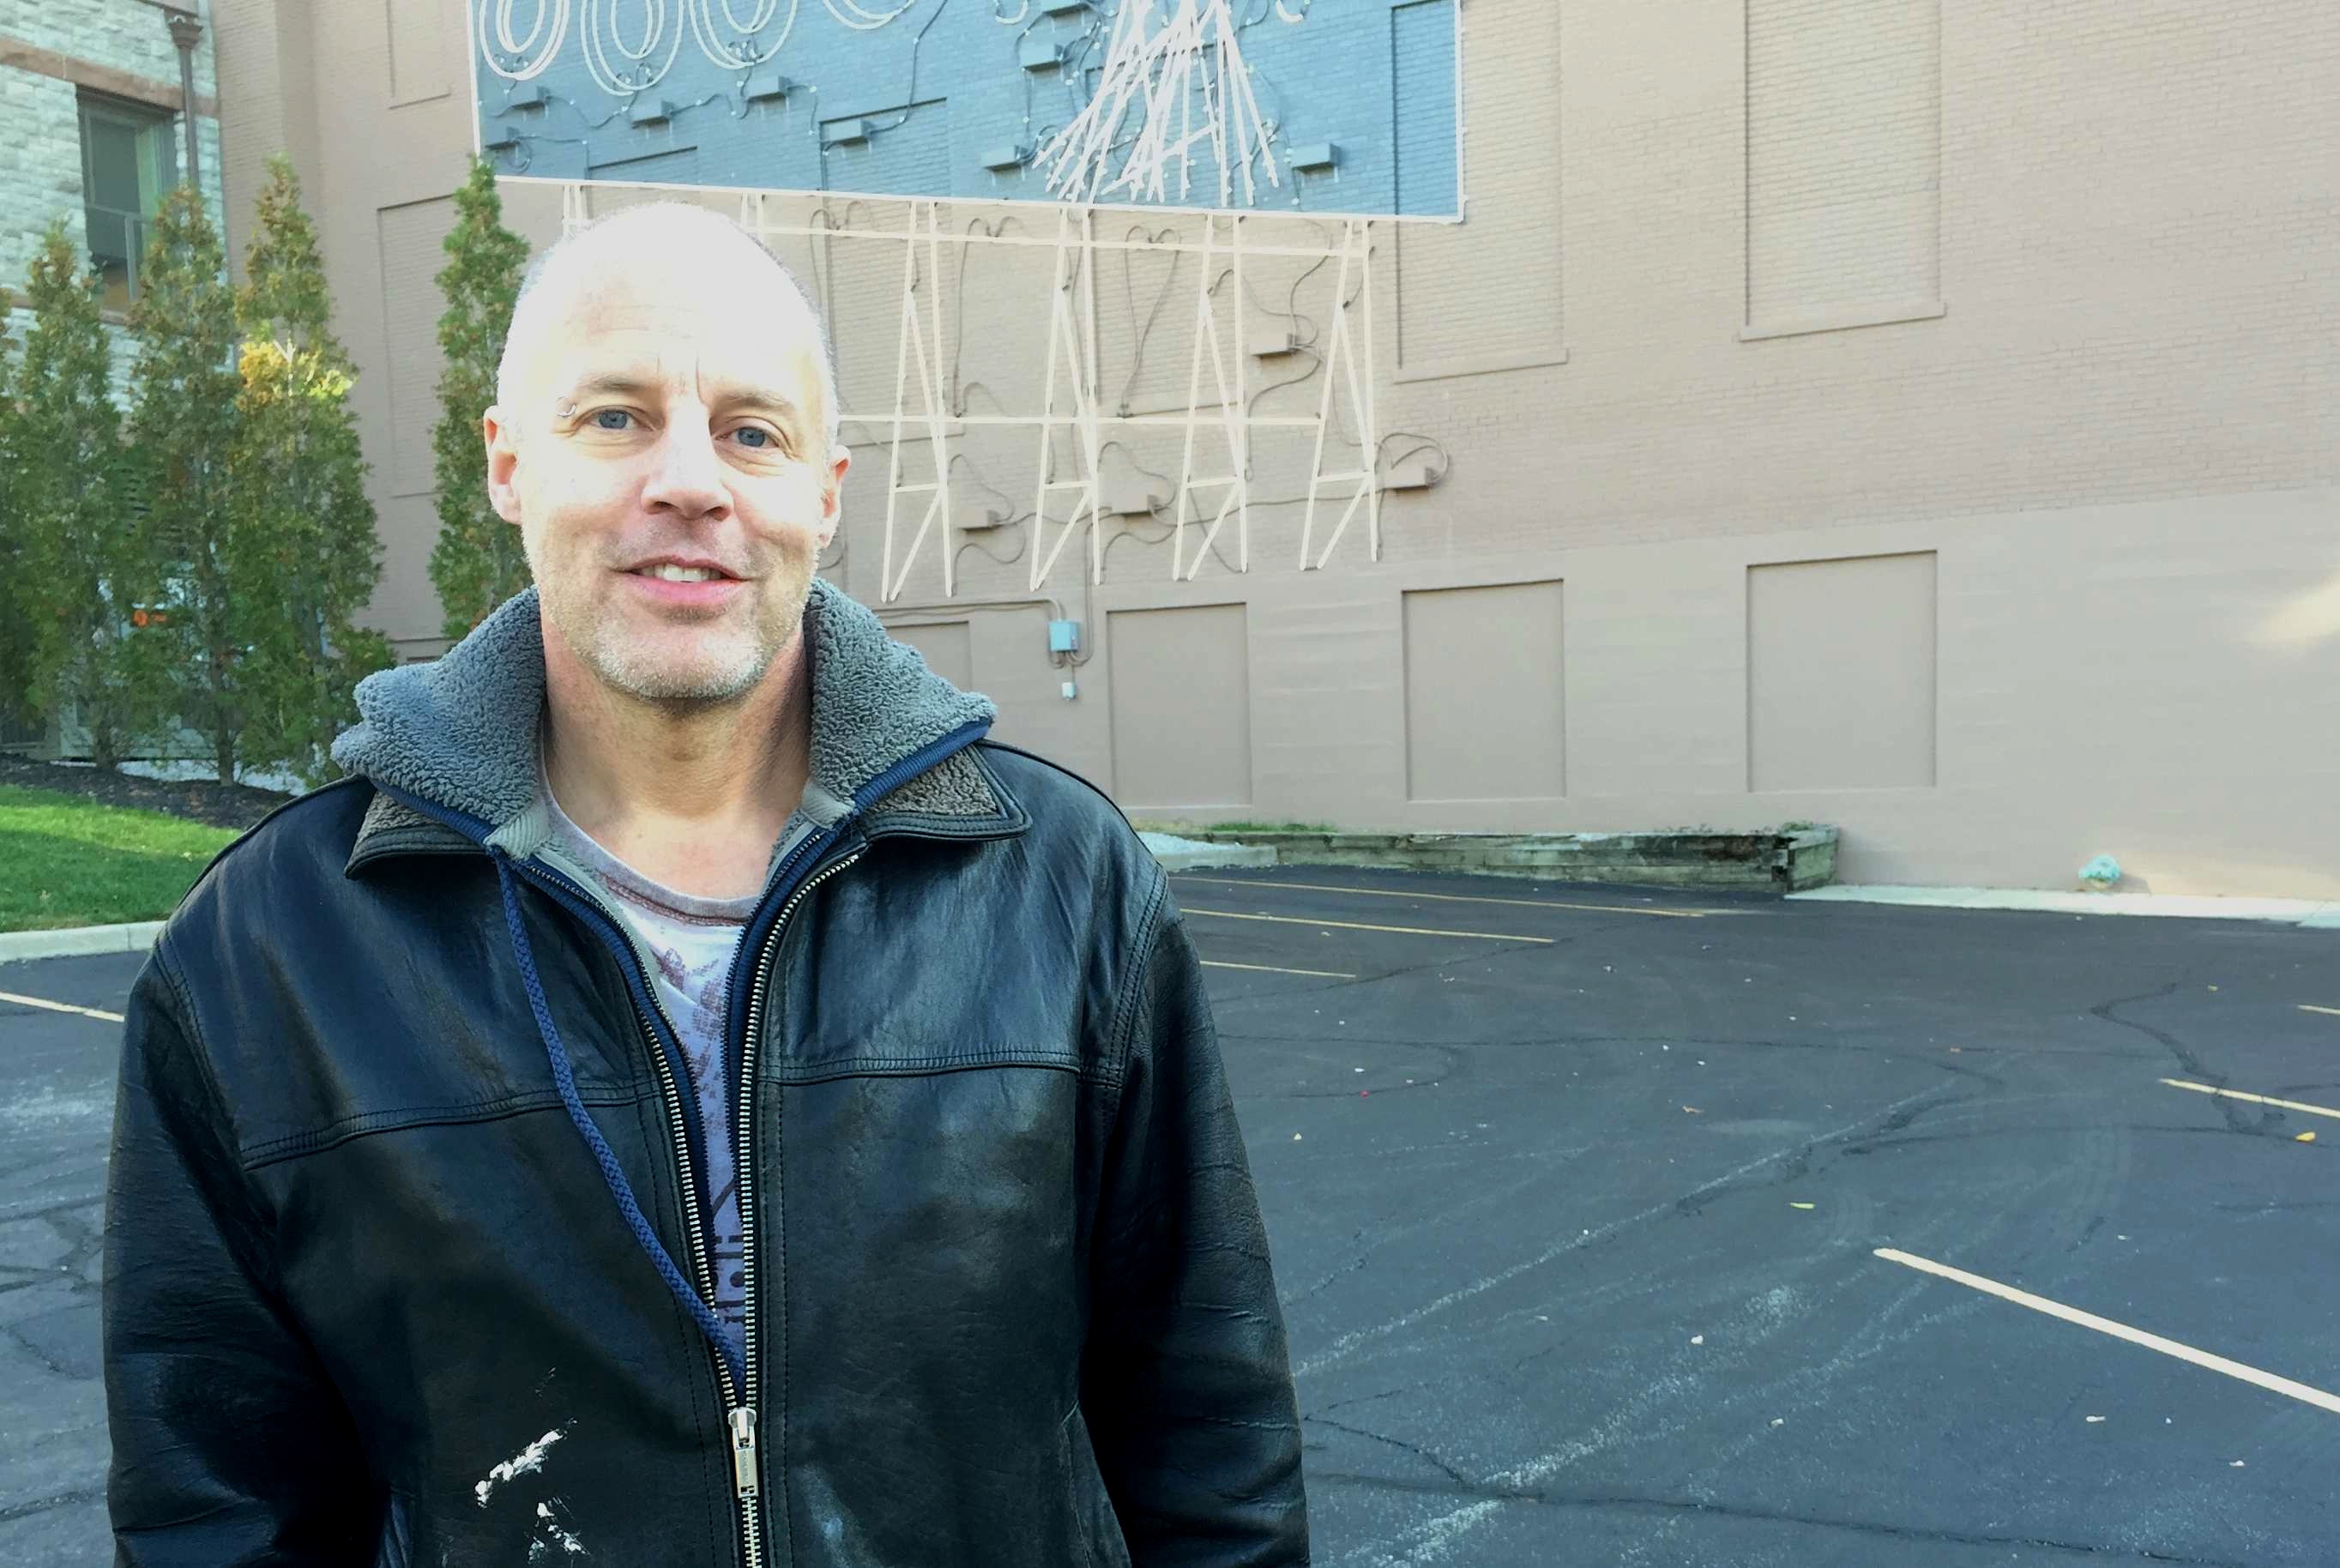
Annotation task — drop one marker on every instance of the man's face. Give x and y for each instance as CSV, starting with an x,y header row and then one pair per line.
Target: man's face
x,y
667,463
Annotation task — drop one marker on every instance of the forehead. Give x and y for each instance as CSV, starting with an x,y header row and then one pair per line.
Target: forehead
x,y
694,315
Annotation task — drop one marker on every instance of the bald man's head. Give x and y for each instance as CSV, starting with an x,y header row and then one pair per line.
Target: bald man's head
x,y
665,437
672,237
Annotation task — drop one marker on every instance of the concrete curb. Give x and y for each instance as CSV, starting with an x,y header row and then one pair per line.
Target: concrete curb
x,y
2308,914
1776,860
78,942
1197,855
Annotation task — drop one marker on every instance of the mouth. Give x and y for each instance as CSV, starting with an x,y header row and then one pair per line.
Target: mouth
x,y
689,588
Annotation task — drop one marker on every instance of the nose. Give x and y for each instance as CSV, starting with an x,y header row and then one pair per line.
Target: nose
x,y
687,478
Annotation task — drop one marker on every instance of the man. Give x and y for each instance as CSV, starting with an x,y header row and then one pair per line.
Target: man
x,y
688,1098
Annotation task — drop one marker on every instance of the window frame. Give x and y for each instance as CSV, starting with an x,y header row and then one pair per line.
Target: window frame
x,y
154,133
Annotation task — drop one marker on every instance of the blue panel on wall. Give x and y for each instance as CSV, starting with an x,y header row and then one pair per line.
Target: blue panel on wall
x,y
945,84
1422,76
905,154
676,166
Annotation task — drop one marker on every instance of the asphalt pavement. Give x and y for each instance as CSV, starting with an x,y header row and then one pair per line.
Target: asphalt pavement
x,y
1617,1227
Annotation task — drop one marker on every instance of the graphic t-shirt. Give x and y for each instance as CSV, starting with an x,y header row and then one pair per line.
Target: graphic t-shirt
x,y
693,942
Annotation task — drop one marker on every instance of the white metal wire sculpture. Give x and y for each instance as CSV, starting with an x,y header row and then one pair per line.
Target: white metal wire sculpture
x,y
630,49
1143,122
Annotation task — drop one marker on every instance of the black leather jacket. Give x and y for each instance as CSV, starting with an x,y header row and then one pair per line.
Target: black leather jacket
x,y
368,1299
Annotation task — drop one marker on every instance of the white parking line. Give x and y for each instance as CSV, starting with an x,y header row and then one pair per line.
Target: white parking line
x,y
1272,970
60,1007
2235,1369
1459,897
2254,1099
1354,925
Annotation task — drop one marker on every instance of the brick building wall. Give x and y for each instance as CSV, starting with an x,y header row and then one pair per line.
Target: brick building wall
x,y
52,53
1926,425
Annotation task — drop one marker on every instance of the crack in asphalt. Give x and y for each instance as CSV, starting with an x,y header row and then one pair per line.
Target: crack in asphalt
x,y
1462,1481
2231,1110
2083,1128
16,1511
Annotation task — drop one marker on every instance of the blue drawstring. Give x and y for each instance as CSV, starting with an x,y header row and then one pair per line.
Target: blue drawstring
x,y
565,1080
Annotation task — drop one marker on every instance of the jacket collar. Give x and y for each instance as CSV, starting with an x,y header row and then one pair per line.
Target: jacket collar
x,y
460,735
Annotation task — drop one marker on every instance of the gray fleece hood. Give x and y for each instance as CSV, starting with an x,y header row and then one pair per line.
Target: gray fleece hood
x,y
460,733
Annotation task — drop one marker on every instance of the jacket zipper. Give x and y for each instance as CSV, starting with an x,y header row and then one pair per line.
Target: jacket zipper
x,y
738,1397
739,1417
745,1461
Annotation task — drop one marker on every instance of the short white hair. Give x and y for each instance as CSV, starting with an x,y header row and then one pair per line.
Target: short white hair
x,y
562,253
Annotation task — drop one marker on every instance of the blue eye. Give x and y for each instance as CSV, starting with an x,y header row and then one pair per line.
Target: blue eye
x,y
762,437
613,418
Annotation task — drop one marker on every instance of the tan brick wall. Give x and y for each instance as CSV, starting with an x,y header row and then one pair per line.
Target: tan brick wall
x,y
2074,262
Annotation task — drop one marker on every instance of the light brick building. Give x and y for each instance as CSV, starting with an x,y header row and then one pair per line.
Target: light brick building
x,y
1917,415
91,132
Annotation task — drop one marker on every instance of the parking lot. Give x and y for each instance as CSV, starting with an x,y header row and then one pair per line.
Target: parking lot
x,y
1581,1201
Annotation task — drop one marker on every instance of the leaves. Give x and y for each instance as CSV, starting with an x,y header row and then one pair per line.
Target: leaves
x,y
478,563
81,555
300,544
184,424
206,571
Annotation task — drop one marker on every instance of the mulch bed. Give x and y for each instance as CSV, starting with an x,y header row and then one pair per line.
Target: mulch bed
x,y
233,806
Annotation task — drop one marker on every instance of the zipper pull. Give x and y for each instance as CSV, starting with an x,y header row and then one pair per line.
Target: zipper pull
x,y
743,1451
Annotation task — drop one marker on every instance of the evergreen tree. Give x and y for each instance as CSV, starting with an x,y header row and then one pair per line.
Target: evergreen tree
x,y
301,549
183,419
478,563
84,574
15,624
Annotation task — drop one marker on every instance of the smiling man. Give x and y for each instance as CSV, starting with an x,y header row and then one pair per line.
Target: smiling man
x,y
688,1097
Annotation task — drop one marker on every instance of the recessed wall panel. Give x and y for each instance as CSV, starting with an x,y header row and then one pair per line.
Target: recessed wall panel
x,y
1840,677
411,238
1486,293
1181,707
1844,157
1484,693
418,49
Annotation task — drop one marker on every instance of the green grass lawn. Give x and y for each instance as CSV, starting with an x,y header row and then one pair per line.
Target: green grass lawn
x,y
65,861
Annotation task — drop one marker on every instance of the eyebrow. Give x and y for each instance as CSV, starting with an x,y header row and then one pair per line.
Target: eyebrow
x,y
604,383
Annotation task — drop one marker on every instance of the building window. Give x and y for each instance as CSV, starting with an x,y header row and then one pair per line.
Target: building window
x,y
129,157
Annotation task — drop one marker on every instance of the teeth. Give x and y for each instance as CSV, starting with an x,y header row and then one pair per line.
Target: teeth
x,y
672,573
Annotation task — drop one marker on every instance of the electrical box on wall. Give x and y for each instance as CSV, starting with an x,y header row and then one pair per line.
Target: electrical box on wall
x,y
1130,498
1273,343
844,132
1006,156
1316,157
1416,473
651,112
526,95
1063,637
500,139
1063,7
1038,54
763,87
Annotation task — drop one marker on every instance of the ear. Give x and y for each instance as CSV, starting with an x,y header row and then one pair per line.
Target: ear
x,y
503,463
832,492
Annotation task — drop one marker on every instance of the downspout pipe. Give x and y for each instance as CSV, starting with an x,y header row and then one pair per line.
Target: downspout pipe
x,y
186,32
